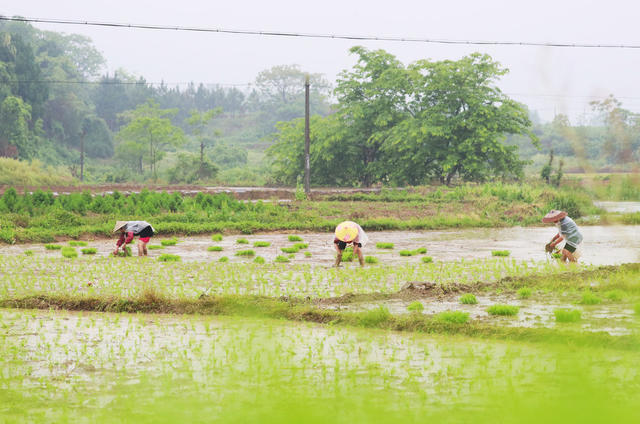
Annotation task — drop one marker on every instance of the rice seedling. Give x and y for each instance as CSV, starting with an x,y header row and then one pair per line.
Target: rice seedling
x,y
289,249
301,246
524,293
247,252
89,251
216,237
406,253
454,317
169,242
374,317
347,254
223,259
261,243
214,248
155,246
307,254
291,255
588,298
52,246
421,250
371,259
501,253
294,238
567,315
28,252
259,260
500,309
415,306
168,257
242,241
636,308
468,299
384,245
614,295
281,258
125,252
426,259
69,252
76,243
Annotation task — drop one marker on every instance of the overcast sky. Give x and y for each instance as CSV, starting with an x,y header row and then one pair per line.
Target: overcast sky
x,y
549,80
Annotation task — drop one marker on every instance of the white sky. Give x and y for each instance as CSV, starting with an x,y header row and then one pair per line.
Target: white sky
x,y
549,80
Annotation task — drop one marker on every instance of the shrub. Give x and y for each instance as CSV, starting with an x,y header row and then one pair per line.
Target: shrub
x,y
242,241
77,243
454,317
281,258
155,246
248,252
261,243
524,293
374,317
415,307
216,237
301,246
295,238
223,259
567,315
289,249
89,251
500,253
468,299
427,259
214,248
168,257
52,246
384,245
69,252
259,260
371,259
589,298
406,253
170,242
499,309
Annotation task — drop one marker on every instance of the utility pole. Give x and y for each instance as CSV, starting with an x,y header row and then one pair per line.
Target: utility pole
x,y
82,136
307,168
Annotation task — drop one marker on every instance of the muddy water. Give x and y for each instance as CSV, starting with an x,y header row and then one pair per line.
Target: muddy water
x,y
619,207
603,245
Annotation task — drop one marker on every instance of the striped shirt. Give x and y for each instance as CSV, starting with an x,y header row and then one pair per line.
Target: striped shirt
x,y
569,231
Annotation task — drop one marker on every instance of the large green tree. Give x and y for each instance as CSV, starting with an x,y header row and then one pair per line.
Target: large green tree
x,y
198,122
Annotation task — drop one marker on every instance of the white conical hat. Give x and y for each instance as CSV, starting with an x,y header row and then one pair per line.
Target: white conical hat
x,y
119,224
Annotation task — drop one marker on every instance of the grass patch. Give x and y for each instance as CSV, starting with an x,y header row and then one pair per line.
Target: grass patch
x,y
294,238
589,298
155,247
216,237
567,315
371,259
261,243
614,295
223,259
453,317
524,293
168,257
214,248
259,260
169,242
77,243
281,259
242,241
500,253
426,259
89,251
384,245
415,306
248,252
500,309
468,299
375,317
52,246
69,252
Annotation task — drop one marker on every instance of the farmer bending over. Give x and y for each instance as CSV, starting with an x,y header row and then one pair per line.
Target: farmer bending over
x,y
568,231
349,232
129,229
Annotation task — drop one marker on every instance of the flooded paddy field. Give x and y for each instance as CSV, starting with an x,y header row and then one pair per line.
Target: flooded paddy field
x,y
96,367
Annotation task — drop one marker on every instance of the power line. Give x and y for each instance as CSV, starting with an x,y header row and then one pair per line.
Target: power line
x,y
320,35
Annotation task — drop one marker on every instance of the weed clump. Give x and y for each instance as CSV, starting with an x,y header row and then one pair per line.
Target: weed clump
x,y
77,243
524,293
259,260
223,259
589,298
168,257
468,299
52,246
281,258
384,245
248,252
242,241
567,315
426,259
69,252
371,259
500,253
415,307
375,317
216,237
499,309
214,248
169,242
453,317
261,243
295,238
89,251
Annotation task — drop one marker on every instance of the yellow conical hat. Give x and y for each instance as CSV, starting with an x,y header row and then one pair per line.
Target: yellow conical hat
x,y
347,231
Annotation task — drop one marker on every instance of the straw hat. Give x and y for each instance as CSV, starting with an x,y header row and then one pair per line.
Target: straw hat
x,y
347,231
119,224
553,216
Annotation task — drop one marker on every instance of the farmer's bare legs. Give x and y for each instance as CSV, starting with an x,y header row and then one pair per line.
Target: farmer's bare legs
x,y
338,256
568,256
142,248
358,252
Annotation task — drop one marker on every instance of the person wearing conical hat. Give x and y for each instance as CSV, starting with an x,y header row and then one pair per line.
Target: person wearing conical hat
x,y
128,230
348,232
567,231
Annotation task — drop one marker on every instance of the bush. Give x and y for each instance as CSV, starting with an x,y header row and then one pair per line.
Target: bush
x,y
524,293
426,259
468,299
295,238
242,241
77,243
567,315
374,317
415,307
69,252
281,258
216,237
168,257
89,251
259,260
170,242
214,248
589,298
261,244
384,245
248,252
371,259
453,317
500,253
499,309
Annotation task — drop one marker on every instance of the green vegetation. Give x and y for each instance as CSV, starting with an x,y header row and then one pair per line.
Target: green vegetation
x,y
75,243
216,237
301,246
242,241
454,317
636,308
468,299
52,246
374,317
89,251
421,250
223,259
261,243
259,260
294,238
406,253
415,306
524,293
426,259
69,252
247,252
289,249
567,315
499,309
384,245
281,258
500,253
155,246
614,295
214,248
28,252
170,242
168,257
371,259
588,298
307,254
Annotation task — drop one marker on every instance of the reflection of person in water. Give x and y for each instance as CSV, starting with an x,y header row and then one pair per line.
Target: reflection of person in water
x,y
567,231
129,229
349,232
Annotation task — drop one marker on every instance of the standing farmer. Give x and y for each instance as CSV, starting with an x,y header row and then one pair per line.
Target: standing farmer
x,y
129,229
567,231
348,232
